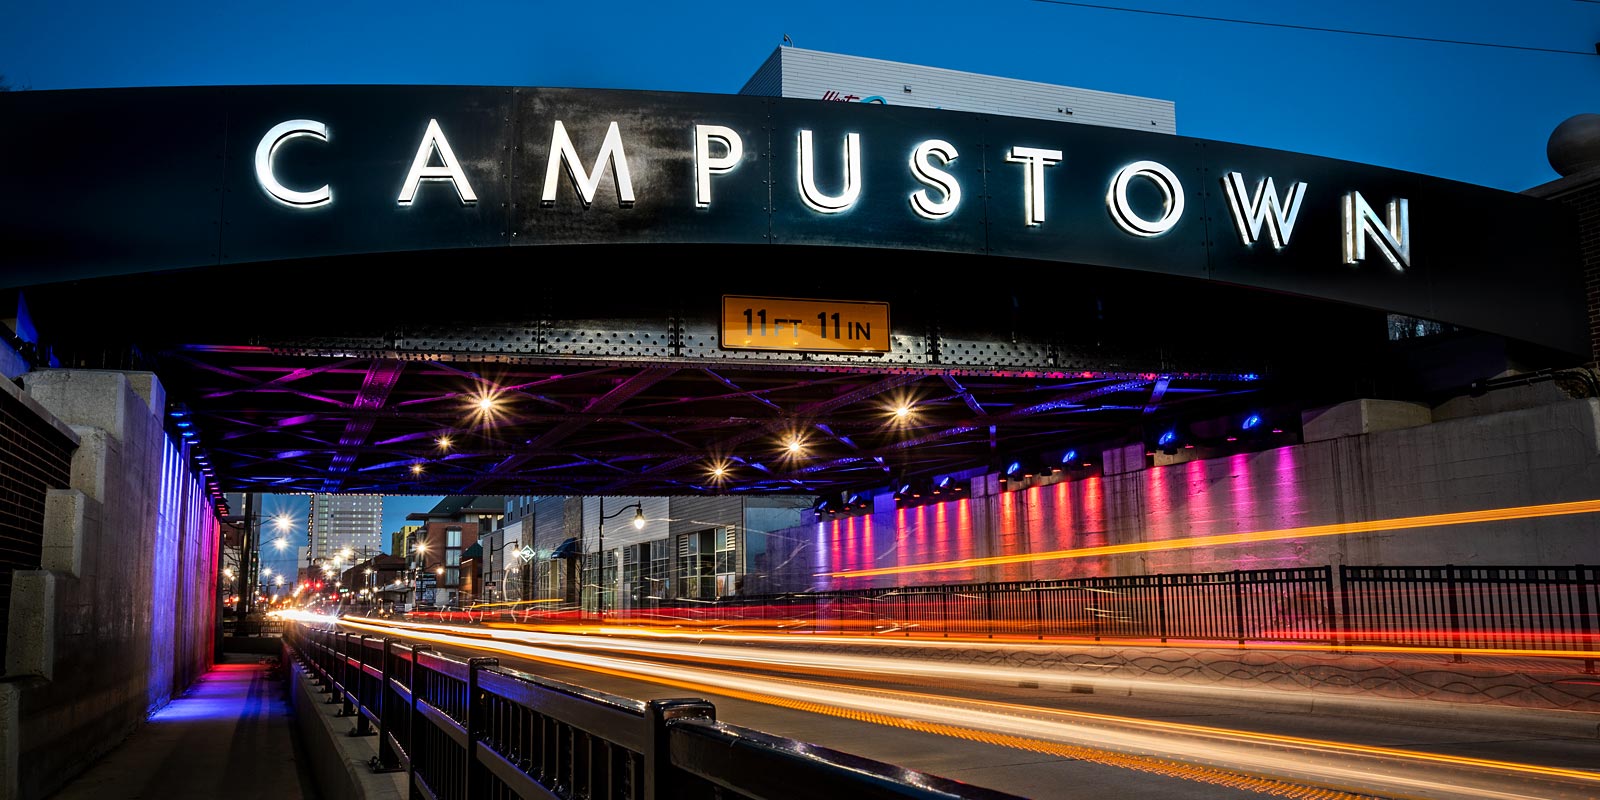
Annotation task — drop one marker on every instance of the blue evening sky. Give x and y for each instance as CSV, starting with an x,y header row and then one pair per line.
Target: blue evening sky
x,y
1475,114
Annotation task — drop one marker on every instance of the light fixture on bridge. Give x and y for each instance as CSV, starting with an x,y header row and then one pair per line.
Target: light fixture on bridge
x,y
416,469
443,442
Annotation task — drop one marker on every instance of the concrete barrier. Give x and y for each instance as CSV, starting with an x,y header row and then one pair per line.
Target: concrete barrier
x,y
340,762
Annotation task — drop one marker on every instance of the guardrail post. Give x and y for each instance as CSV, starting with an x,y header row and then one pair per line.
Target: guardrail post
x,y
1455,612
1329,619
1238,604
660,779
1038,614
415,738
944,612
387,760
1347,623
324,661
363,725
1161,607
472,777
1586,620
348,708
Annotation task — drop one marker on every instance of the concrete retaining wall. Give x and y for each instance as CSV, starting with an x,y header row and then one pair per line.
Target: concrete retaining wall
x,y
1368,461
119,619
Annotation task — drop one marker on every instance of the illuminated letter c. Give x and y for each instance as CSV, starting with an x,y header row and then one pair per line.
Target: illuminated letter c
x,y
267,148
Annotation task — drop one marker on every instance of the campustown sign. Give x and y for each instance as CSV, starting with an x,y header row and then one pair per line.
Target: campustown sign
x,y
123,181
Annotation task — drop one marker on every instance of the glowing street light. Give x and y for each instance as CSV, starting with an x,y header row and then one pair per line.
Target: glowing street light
x,y
600,545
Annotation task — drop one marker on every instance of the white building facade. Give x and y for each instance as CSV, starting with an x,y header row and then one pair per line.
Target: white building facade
x,y
810,74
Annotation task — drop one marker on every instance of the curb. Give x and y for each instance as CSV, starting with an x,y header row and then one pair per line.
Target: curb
x,y
339,761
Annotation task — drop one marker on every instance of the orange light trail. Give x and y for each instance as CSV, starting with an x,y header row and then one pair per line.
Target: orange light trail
x,y
1002,724
1250,537
899,639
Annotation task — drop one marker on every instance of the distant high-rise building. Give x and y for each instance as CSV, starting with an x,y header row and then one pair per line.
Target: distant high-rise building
x,y
338,521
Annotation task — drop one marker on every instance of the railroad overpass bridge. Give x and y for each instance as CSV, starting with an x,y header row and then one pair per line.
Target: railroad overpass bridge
x,y
314,289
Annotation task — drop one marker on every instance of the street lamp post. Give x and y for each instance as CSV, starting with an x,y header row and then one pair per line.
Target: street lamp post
x,y
600,545
421,551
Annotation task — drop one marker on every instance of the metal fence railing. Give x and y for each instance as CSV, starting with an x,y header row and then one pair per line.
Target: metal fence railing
x,y
1549,609
1529,608
471,729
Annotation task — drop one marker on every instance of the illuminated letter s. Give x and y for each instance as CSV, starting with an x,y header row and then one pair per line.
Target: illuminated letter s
x,y
936,178
267,149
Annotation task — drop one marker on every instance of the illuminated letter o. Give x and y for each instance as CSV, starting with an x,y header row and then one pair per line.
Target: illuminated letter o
x,y
1122,213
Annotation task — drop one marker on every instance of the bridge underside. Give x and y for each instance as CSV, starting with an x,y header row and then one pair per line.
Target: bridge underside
x,y
597,370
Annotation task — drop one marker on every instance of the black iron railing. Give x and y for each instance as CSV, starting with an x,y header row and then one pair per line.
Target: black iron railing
x,y
1546,609
1516,608
464,730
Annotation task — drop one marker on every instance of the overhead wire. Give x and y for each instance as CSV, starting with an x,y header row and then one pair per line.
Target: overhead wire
x,y
1320,29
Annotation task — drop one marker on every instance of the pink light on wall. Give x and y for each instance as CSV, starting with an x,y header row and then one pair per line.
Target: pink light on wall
x,y
1158,498
1246,507
961,526
1093,526
826,559
1288,508
1199,496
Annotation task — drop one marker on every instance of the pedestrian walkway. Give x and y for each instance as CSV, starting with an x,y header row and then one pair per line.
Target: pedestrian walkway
x,y
230,736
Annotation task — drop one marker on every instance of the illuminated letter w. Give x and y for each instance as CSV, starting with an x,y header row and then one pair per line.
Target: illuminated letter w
x,y
1251,212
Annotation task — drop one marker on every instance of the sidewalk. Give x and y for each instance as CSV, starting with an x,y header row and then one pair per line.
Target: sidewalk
x,y
229,736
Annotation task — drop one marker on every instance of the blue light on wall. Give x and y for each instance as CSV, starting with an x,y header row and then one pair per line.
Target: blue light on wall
x,y
1252,421
1167,438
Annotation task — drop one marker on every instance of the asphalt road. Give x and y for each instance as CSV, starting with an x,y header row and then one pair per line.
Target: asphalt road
x,y
1061,738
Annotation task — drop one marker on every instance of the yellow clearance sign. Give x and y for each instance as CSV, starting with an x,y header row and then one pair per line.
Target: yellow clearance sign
x,y
786,323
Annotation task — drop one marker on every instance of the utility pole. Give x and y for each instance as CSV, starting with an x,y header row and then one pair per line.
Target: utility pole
x,y
245,580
